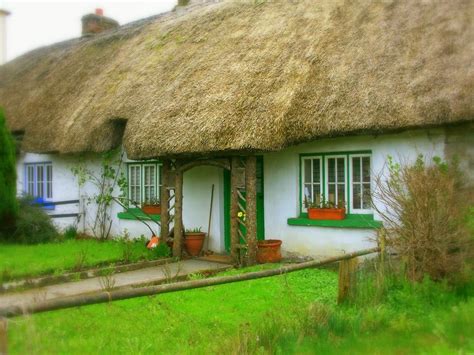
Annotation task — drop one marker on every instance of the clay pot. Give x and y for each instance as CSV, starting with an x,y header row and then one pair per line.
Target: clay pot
x,y
194,242
151,209
327,213
269,251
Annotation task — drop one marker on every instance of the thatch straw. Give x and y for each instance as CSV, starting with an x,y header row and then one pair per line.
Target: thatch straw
x,y
247,75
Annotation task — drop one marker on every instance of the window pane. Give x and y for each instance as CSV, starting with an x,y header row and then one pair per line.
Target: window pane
x,y
340,195
39,181
366,196
341,170
331,169
356,196
356,169
317,170
366,169
30,184
308,193
332,193
307,170
49,181
135,184
149,185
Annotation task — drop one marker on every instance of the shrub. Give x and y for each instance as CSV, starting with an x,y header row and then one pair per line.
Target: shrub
x,y
8,204
425,217
70,233
33,225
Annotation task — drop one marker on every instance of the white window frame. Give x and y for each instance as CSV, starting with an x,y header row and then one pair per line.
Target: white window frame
x,y
141,167
348,191
326,175
321,165
34,167
352,209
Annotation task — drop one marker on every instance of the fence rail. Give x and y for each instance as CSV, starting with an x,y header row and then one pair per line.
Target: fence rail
x,y
103,297
60,203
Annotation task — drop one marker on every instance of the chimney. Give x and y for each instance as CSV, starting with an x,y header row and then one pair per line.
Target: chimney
x,y
3,35
97,23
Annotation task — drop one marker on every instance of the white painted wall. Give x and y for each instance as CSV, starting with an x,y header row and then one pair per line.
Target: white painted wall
x,y
281,181
281,190
196,198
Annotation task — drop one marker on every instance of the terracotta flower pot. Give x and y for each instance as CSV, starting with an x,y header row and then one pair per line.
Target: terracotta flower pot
x,y
269,251
151,209
327,213
194,242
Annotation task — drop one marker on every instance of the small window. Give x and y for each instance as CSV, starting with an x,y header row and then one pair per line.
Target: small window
x,y
341,179
39,180
144,183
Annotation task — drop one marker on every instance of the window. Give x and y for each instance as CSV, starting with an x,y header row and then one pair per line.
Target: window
x,y
340,178
39,180
144,182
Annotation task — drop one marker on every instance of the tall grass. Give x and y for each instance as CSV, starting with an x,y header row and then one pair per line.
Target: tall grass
x,y
386,306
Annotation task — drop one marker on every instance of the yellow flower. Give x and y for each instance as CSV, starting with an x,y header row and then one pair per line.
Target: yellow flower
x,y
240,214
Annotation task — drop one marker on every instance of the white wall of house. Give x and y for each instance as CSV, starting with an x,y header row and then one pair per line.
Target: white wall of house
x,y
196,198
281,170
281,192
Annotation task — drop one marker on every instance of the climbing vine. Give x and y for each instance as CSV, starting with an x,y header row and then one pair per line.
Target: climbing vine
x,y
105,182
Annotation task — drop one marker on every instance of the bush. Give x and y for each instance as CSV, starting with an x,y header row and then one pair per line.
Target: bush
x,y
33,225
425,218
70,233
8,203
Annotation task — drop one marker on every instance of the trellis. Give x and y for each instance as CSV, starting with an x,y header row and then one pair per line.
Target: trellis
x,y
243,206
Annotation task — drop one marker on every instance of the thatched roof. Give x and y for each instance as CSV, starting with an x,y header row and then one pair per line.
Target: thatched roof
x,y
247,75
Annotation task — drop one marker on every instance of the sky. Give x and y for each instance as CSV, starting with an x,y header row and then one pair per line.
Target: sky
x,y
36,23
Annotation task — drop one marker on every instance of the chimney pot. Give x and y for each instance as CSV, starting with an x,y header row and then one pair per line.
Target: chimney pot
x,y
96,23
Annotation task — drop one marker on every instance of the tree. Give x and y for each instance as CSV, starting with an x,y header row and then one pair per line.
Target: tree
x,y
8,201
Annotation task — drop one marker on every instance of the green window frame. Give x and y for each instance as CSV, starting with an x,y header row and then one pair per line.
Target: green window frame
x,y
144,181
339,177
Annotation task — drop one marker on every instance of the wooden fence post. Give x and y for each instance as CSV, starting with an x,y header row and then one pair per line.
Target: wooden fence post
x,y
165,204
3,336
251,208
178,213
234,209
347,279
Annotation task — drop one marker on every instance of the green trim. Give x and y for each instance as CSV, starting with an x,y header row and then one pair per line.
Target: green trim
x,y
137,214
337,153
359,221
227,209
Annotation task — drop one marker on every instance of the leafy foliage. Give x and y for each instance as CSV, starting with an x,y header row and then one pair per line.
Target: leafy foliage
x,y
33,225
8,202
425,217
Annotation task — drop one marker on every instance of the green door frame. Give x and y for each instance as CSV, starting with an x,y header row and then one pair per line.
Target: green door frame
x,y
260,204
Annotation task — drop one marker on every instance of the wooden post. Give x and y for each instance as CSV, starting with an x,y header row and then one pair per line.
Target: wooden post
x,y
178,213
234,209
3,336
164,200
251,209
347,279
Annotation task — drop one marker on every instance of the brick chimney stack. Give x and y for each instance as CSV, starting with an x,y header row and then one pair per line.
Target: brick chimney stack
x,y
3,35
97,23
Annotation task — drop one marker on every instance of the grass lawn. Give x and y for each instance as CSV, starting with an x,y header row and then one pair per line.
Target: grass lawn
x,y
194,321
18,261
288,314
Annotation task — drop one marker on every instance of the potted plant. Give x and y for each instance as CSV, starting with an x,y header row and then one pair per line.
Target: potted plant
x,y
151,206
326,210
269,251
194,241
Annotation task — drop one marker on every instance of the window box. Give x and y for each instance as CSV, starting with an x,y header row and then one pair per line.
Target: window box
x,y
326,213
151,209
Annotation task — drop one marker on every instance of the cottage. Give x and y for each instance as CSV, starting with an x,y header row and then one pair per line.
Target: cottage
x,y
278,103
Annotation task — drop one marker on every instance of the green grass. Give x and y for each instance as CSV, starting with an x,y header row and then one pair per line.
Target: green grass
x,y
18,260
194,321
